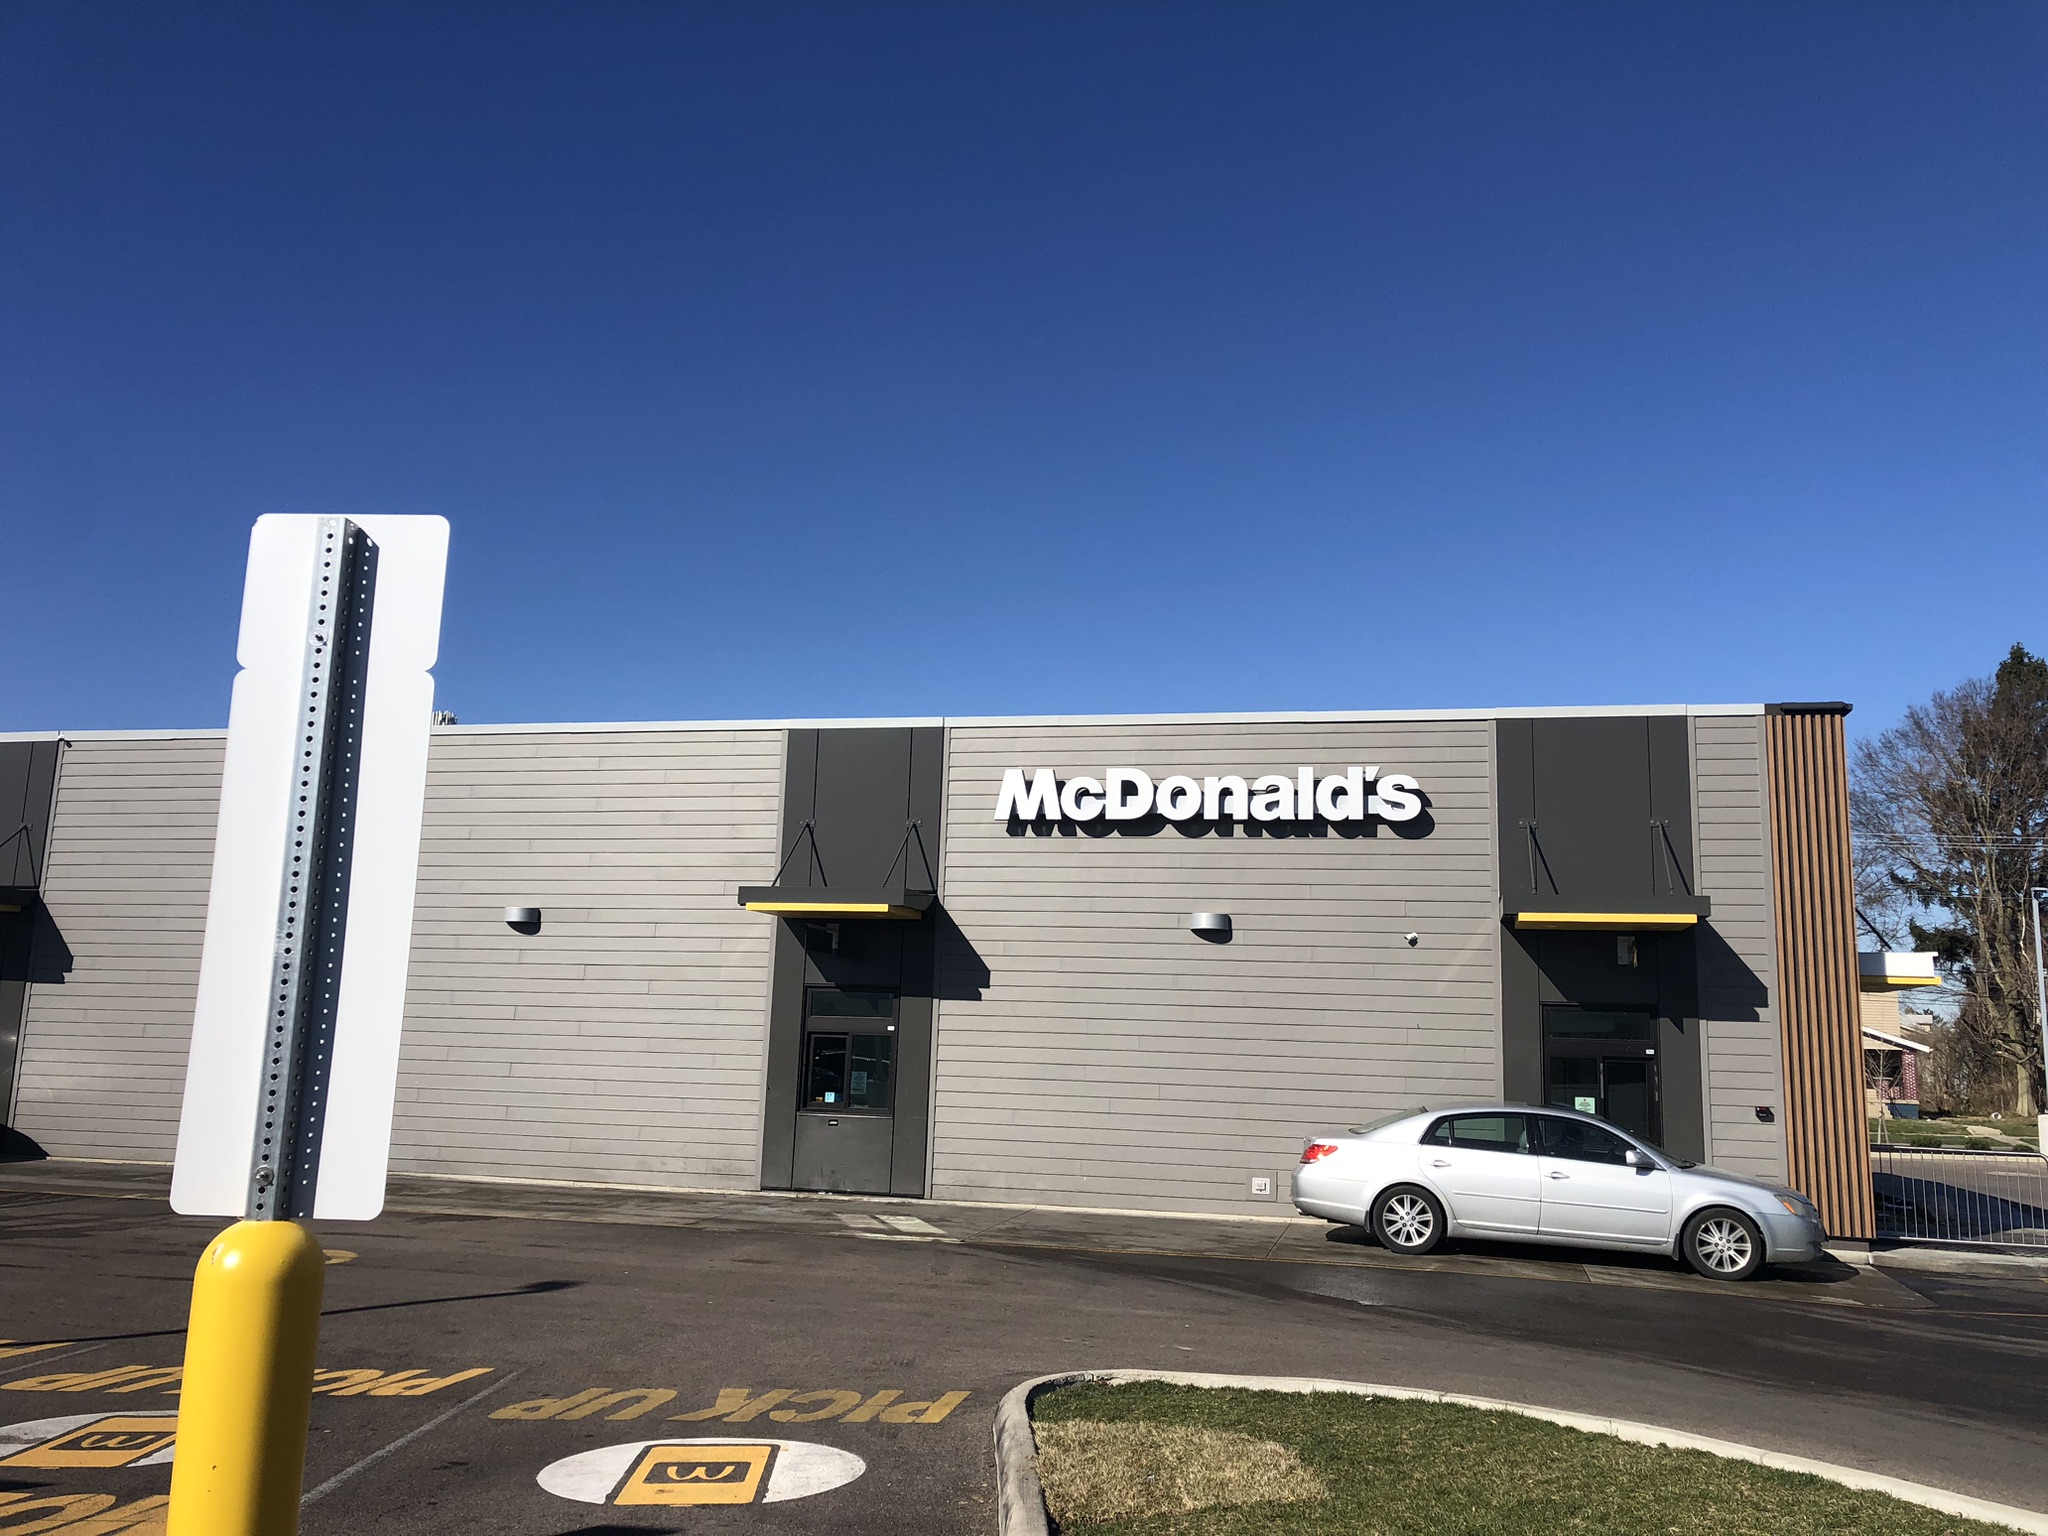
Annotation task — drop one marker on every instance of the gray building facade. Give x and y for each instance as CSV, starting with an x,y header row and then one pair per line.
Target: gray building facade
x,y
832,955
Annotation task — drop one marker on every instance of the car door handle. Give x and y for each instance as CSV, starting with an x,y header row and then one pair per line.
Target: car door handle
x,y
1560,1175
1439,1162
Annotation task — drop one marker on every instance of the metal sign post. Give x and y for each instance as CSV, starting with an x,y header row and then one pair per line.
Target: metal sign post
x,y
2035,896
295,1033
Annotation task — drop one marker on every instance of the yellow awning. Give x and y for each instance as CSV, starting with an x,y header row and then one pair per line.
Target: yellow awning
x,y
1609,922
832,909
837,903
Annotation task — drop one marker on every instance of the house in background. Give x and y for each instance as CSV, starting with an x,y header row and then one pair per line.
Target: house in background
x,y
1894,1039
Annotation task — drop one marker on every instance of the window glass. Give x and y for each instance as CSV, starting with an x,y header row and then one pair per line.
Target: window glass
x,y
1575,1084
1482,1133
867,1073
825,1071
1582,1142
831,1003
1586,1024
844,1071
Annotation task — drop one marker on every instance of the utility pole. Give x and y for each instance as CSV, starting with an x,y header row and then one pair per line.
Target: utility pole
x,y
2036,896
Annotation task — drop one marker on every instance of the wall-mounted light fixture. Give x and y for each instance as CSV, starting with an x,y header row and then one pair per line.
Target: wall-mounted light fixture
x,y
523,919
1213,927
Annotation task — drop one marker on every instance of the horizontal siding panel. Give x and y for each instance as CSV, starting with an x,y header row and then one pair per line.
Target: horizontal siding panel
x,y
102,1066
1107,1034
1737,982
623,1043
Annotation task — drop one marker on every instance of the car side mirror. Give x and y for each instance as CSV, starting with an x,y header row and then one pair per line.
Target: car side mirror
x,y
1635,1159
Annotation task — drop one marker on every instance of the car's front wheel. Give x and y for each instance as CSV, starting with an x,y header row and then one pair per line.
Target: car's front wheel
x,y
1722,1245
1408,1219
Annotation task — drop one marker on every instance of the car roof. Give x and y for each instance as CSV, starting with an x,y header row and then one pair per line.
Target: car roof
x,y
1437,1111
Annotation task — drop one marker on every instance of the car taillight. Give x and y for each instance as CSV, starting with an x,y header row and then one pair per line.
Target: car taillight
x,y
1316,1151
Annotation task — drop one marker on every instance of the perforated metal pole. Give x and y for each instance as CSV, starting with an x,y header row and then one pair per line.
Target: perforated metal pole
x,y
255,1324
312,900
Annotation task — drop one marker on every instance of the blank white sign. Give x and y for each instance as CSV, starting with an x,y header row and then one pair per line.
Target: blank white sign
x,y
217,1128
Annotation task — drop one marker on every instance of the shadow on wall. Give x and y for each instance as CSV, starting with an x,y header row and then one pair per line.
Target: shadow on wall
x,y
1728,988
17,1148
32,948
961,972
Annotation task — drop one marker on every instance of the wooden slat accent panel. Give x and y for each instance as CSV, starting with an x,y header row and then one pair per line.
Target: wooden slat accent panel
x,y
1825,1135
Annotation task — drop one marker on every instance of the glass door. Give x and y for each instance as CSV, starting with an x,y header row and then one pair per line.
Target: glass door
x,y
1603,1062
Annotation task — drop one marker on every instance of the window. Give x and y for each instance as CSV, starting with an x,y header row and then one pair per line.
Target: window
x,y
849,1050
1582,1143
848,1071
1589,1024
1481,1133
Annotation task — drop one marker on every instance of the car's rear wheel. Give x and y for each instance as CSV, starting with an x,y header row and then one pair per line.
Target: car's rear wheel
x,y
1408,1219
1722,1245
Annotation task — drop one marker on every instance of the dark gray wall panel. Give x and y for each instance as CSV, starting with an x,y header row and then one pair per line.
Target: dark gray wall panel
x,y
28,780
859,787
1593,812
1671,795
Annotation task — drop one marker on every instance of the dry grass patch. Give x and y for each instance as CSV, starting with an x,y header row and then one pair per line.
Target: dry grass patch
x,y
1095,1471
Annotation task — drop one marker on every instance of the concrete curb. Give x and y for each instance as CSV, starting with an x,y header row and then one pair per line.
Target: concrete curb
x,y
1020,1498
1950,1261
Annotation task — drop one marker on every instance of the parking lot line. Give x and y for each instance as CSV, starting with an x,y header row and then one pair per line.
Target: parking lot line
x,y
334,1482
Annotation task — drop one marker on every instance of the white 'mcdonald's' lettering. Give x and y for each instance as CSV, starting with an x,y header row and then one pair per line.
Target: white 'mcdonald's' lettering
x,y
1041,799
1130,794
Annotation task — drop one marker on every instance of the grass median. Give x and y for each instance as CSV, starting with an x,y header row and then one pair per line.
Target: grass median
x,y
1154,1459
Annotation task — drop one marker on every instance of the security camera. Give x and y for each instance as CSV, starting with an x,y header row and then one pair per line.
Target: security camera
x,y
1413,939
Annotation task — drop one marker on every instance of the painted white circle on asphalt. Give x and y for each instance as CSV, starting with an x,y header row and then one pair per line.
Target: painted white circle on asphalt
x,y
796,1470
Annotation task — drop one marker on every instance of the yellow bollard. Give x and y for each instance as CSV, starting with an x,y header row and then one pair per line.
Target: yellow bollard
x,y
248,1389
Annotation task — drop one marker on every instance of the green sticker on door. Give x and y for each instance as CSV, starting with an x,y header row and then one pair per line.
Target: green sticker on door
x,y
1586,1105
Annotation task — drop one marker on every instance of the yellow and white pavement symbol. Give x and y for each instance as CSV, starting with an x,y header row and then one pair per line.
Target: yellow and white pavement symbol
x,y
671,1472
90,1440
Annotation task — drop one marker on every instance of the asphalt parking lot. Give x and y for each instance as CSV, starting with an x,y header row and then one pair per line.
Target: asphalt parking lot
x,y
480,1335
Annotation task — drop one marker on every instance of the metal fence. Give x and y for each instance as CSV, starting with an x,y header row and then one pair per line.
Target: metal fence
x,y
1954,1196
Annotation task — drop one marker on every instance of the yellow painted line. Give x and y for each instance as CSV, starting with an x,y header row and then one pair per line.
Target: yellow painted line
x,y
1607,920
831,909
87,1513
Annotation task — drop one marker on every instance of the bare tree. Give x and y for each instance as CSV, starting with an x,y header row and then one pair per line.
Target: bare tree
x,y
1950,816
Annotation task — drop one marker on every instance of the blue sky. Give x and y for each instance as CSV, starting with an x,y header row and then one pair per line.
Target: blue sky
x,y
846,359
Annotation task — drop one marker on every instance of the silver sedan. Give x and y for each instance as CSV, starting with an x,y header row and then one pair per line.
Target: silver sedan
x,y
1548,1176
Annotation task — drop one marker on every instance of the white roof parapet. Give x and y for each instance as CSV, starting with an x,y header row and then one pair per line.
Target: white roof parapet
x,y
1912,968
1894,1042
